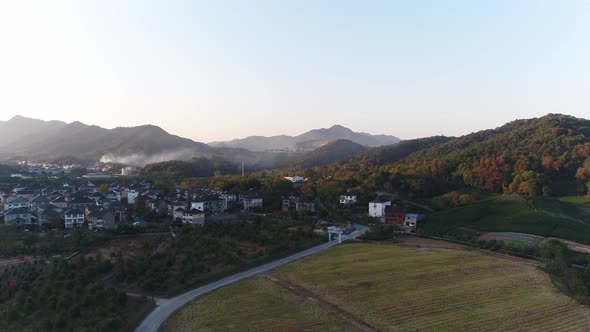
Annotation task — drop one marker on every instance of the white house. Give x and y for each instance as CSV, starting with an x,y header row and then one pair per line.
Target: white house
x,y
411,220
73,218
178,213
348,198
194,217
131,196
15,203
377,207
294,179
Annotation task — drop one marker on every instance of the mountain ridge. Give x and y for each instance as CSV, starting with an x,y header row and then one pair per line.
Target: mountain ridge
x,y
286,142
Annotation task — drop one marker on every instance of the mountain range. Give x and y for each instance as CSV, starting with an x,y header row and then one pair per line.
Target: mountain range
x,y
23,138
307,141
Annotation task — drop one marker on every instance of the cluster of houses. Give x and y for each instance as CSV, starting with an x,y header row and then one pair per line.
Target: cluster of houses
x,y
53,207
38,206
383,210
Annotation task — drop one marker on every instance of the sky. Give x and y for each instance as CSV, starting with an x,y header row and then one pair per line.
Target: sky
x,y
218,70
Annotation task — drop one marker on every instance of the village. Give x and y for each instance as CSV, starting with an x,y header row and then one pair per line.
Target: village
x,y
39,208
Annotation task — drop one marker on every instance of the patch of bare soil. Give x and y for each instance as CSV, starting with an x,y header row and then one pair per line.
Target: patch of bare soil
x,y
128,246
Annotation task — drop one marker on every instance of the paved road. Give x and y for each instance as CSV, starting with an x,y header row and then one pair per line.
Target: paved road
x,y
167,307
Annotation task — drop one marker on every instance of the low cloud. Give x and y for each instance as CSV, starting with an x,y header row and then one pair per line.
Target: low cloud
x,y
143,159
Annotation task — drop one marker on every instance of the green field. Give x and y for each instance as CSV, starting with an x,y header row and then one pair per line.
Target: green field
x,y
567,218
393,288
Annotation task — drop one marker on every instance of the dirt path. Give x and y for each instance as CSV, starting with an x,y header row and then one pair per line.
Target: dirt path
x,y
533,240
331,309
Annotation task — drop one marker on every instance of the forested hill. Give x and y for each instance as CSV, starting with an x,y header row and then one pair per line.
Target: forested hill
x,y
547,155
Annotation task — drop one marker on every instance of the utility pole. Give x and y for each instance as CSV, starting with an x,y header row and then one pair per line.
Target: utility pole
x,y
242,168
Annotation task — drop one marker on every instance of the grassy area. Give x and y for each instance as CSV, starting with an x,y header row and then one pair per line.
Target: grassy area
x,y
254,305
575,199
393,287
564,218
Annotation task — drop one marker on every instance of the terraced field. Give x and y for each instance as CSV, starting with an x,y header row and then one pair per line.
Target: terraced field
x,y
567,218
394,288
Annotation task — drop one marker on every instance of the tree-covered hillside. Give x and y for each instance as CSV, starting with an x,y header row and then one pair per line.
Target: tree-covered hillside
x,y
541,156
538,156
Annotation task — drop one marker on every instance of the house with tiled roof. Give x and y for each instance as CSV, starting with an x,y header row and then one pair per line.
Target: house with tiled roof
x,y
193,217
15,203
20,216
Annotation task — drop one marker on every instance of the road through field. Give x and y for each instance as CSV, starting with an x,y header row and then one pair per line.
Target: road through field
x,y
166,308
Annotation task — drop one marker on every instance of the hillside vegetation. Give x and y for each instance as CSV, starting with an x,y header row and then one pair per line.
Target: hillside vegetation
x,y
542,156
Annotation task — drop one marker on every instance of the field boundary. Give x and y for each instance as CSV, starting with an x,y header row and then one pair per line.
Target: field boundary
x,y
329,307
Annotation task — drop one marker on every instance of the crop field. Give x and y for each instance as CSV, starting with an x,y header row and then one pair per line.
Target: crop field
x,y
568,219
407,287
253,305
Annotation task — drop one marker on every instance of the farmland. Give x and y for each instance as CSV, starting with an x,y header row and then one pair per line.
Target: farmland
x,y
567,218
417,285
257,303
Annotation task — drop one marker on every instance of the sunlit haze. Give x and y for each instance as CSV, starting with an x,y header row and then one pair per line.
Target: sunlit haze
x,y
219,70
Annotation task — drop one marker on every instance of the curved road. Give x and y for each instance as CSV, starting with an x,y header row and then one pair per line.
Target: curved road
x,y
167,307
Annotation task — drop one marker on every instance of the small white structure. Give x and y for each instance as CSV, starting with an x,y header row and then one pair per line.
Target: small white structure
x,y
73,218
348,198
251,203
377,207
295,179
126,171
178,213
198,206
411,220
132,196
194,217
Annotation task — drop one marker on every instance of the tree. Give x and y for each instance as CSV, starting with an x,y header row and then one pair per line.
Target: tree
x,y
103,188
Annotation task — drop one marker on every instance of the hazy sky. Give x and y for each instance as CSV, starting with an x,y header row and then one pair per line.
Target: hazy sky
x,y
224,69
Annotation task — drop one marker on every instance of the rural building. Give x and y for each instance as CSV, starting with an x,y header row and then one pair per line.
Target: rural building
x,y
377,207
73,218
18,217
194,217
178,213
295,179
411,220
211,204
250,200
395,214
15,203
348,198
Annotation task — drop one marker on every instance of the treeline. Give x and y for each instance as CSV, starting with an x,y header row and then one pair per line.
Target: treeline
x,y
62,296
176,171
201,254
13,243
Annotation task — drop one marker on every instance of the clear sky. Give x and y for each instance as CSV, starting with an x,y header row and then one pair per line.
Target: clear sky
x,y
217,70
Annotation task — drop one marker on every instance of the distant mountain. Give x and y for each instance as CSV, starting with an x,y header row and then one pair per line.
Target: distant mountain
x,y
31,139
308,141
328,154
